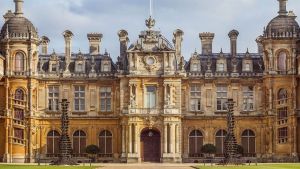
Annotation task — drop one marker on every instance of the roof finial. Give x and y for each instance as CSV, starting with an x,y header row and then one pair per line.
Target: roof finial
x,y
282,7
150,22
19,7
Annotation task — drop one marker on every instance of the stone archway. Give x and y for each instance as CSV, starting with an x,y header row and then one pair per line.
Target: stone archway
x,y
150,145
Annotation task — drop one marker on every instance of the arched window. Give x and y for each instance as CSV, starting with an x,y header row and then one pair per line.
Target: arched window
x,y
53,142
248,142
79,142
19,94
19,62
105,142
282,61
220,138
195,143
282,96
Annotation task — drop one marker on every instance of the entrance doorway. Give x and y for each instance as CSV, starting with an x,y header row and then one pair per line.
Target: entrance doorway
x,y
150,145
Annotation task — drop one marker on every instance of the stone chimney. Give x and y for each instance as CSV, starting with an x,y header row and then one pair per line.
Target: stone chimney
x,y
233,35
123,38
95,42
260,47
19,8
282,7
68,45
178,37
44,44
206,42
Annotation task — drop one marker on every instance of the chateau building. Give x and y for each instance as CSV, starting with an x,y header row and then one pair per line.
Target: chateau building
x,y
150,105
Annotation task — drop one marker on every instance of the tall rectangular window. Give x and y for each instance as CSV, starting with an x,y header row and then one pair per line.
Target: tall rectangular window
x,y
221,98
195,97
283,135
248,98
53,97
19,114
150,100
282,114
105,99
19,133
79,98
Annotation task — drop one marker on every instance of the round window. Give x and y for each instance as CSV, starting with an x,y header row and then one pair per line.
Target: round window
x,y
150,60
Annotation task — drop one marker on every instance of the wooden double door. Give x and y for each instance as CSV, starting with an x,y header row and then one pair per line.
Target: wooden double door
x,y
150,146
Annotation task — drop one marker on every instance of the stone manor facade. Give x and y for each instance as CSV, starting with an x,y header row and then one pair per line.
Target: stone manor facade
x,y
150,105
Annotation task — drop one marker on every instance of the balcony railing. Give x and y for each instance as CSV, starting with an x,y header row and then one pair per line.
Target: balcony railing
x,y
143,111
80,155
19,102
19,122
19,73
105,155
18,140
152,111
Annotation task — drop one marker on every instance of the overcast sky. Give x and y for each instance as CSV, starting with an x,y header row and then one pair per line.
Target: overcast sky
x,y
52,17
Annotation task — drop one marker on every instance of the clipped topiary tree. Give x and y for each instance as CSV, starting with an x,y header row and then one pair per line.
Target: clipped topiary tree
x,y
239,150
92,150
209,149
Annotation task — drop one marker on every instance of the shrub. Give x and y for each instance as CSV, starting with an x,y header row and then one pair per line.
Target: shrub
x,y
209,149
92,150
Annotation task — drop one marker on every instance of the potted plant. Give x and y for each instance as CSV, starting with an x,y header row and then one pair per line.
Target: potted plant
x,y
92,150
209,150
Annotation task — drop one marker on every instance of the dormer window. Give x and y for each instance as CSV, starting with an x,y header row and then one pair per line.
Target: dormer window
x,y
194,67
54,68
220,67
106,66
79,67
247,67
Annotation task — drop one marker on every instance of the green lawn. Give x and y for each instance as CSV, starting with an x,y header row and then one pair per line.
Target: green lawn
x,y
253,166
43,167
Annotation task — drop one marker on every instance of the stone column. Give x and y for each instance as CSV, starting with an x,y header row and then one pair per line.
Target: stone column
x,y
177,138
123,139
166,138
135,138
172,138
130,138
6,142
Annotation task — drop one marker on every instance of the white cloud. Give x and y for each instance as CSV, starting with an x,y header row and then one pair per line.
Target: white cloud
x,y
249,17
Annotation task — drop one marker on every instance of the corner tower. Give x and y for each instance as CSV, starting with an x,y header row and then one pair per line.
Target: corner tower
x,y
19,47
280,43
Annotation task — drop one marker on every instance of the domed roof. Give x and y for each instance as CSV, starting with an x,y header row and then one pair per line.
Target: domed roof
x,y
283,23
19,27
